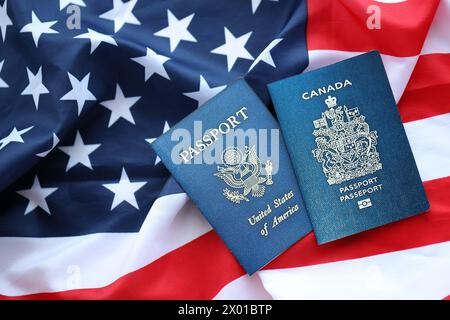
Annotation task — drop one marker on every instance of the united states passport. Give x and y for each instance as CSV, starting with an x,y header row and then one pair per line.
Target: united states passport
x,y
230,158
348,147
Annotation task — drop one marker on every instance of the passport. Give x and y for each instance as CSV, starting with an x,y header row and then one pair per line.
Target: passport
x,y
230,158
348,146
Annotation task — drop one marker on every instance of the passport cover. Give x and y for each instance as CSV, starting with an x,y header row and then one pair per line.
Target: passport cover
x,y
348,147
237,171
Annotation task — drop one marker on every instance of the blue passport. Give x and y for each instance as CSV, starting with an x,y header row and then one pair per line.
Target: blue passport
x,y
348,147
230,158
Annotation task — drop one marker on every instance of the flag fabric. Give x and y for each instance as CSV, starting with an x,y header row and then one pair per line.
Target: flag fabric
x,y
87,209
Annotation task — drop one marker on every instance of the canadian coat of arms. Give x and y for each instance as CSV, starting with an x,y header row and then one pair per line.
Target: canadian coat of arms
x,y
346,147
242,170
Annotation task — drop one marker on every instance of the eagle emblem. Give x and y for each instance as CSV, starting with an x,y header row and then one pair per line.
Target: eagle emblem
x,y
346,147
242,170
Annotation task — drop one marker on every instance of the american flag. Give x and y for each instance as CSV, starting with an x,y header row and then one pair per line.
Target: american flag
x,y
88,211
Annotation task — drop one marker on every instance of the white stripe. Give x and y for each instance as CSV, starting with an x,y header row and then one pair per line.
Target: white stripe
x,y
32,265
419,273
244,288
438,38
398,69
430,143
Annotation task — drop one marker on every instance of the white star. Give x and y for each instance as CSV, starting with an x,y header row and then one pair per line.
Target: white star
x,y
79,152
234,48
80,92
121,13
36,196
14,136
35,86
204,93
37,28
96,38
256,3
150,140
124,190
120,107
177,30
265,55
3,84
54,144
65,3
5,21
153,63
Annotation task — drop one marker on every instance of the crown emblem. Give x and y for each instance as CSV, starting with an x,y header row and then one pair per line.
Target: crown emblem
x,y
346,148
242,170
331,101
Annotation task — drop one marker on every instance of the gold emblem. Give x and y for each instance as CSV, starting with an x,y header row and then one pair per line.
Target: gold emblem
x,y
242,170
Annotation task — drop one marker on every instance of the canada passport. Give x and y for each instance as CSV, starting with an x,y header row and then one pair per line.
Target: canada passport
x,y
348,147
230,158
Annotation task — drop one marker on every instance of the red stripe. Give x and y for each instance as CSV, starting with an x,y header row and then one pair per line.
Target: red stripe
x,y
447,298
429,228
342,25
198,270
201,268
428,91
